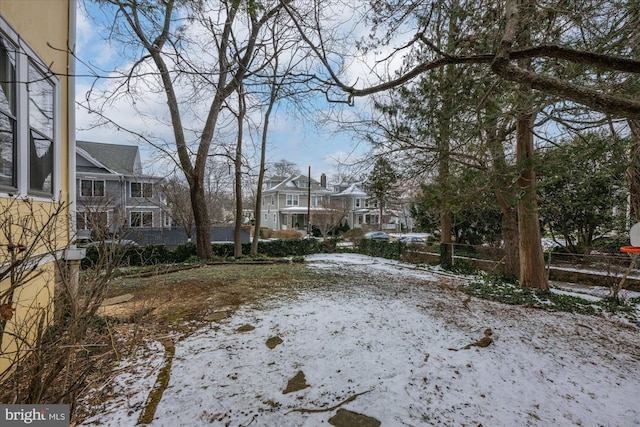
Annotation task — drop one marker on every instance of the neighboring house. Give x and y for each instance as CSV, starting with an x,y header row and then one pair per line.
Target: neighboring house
x,y
37,134
113,194
361,210
285,201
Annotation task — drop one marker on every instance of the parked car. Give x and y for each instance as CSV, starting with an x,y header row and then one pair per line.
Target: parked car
x,y
377,235
412,240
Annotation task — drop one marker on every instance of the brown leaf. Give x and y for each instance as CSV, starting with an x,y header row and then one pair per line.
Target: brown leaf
x,y
6,312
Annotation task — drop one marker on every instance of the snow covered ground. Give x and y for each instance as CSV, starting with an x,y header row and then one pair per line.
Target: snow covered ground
x,y
391,338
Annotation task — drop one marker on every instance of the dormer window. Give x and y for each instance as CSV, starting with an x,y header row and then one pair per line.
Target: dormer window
x,y
303,184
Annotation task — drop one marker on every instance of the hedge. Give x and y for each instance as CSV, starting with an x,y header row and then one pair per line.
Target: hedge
x,y
161,254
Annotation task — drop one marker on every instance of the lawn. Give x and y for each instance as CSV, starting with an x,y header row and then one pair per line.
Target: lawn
x,y
346,339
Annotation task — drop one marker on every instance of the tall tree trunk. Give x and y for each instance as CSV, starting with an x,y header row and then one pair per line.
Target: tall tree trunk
x,y
201,219
510,234
446,246
503,192
634,172
237,230
511,241
532,267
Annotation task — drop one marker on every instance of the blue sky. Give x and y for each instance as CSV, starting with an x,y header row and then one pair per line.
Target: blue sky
x,y
301,140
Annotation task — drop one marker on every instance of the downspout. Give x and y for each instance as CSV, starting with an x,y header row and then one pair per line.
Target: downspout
x,y
73,255
71,115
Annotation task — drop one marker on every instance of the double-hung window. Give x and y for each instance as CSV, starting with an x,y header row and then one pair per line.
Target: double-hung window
x,y
28,119
142,189
292,200
141,219
90,188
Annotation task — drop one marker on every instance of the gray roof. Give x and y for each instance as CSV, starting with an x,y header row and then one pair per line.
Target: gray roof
x,y
123,159
291,184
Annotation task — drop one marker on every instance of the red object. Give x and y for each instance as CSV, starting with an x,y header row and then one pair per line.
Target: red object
x,y
631,249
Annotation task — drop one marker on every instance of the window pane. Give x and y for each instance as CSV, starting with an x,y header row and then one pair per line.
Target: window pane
x,y
7,151
40,163
136,189
147,219
98,188
85,188
40,102
147,189
7,114
80,221
136,219
7,78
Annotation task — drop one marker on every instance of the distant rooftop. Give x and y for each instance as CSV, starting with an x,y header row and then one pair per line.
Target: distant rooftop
x,y
123,159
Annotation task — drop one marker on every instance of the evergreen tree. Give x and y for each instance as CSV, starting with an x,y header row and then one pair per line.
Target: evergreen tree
x,y
381,184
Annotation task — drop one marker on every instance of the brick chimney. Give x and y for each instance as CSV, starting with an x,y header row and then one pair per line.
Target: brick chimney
x,y
323,181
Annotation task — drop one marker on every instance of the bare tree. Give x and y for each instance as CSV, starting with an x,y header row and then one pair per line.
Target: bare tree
x,y
176,193
330,216
228,45
219,188
279,85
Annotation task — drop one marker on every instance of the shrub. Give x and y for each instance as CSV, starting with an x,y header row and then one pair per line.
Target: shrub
x,y
463,266
389,250
184,251
286,234
265,233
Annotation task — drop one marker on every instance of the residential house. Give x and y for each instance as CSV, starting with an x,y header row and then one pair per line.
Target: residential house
x,y
37,134
285,201
113,193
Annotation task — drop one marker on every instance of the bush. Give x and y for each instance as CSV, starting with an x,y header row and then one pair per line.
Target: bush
x,y
382,249
611,244
291,247
287,234
462,266
265,233
184,251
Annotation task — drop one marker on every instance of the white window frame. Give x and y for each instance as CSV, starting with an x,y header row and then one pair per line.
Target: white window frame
x,y
357,202
293,200
25,56
316,201
142,214
142,190
93,187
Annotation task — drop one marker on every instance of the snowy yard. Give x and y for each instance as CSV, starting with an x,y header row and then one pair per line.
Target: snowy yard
x,y
387,341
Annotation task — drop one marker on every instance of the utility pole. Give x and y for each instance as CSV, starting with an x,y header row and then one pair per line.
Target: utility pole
x,y
309,205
